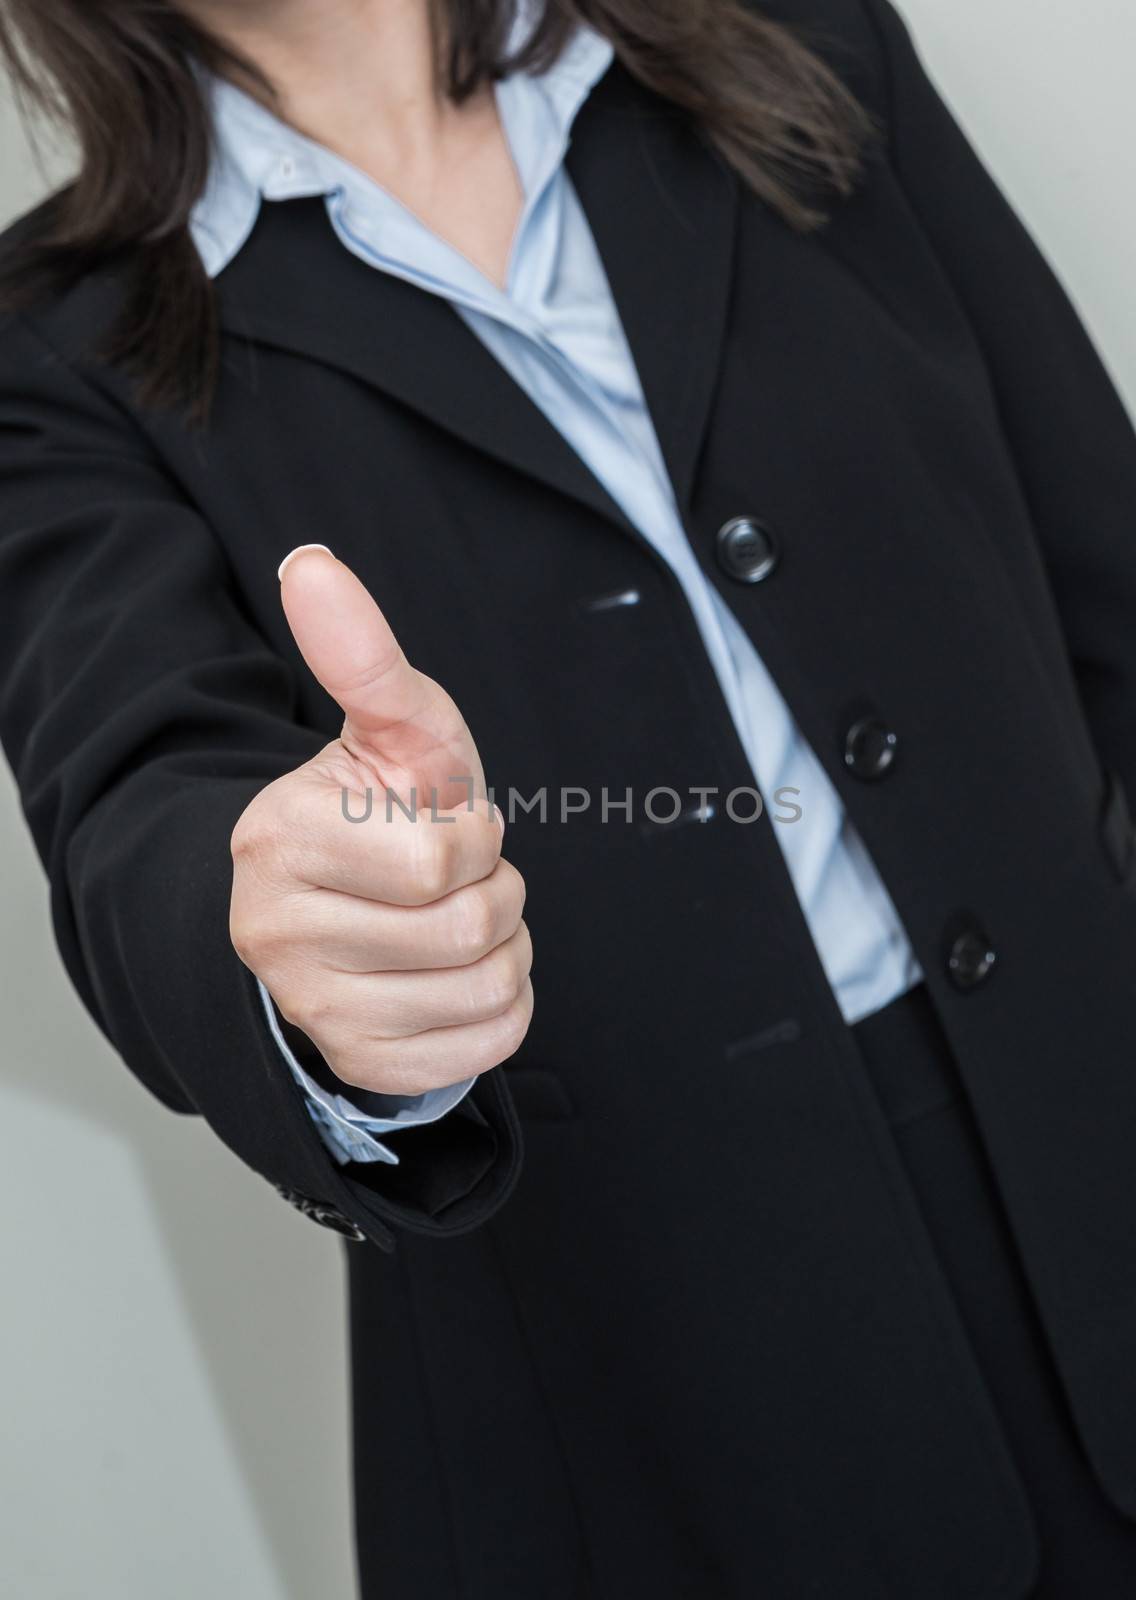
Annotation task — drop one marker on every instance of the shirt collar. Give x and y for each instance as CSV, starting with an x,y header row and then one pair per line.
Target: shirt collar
x,y
257,157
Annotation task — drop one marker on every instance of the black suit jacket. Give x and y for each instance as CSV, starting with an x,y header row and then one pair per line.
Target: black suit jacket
x,y
698,1345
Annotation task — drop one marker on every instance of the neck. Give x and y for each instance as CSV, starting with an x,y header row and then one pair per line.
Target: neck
x,y
344,70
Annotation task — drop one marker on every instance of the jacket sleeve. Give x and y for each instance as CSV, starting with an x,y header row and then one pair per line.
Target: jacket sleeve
x,y
1071,437
141,711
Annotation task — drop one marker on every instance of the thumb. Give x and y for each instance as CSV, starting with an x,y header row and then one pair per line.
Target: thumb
x,y
399,723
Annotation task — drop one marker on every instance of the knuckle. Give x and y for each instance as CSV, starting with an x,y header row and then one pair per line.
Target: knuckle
x,y
516,960
249,929
309,1010
509,1030
273,834
523,954
267,929
497,988
475,933
291,1007
351,1066
247,839
514,892
247,940
430,867
244,938
251,933
515,1024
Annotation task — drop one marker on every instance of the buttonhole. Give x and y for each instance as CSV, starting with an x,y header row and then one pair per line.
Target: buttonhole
x,y
613,602
787,1031
651,829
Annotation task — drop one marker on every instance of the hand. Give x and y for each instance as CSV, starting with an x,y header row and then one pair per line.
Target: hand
x,y
396,945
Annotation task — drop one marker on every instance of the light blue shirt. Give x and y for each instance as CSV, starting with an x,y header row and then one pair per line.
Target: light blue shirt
x,y
556,330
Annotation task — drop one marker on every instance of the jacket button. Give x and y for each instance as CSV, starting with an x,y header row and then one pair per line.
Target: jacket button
x,y
747,550
971,959
870,749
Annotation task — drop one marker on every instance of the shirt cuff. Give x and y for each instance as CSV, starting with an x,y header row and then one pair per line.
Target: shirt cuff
x,y
350,1134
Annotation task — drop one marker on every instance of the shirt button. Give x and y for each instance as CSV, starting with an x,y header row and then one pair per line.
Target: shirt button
x,y
747,550
870,749
971,959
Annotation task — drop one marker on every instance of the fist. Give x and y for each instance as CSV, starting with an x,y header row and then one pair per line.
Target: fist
x,y
396,944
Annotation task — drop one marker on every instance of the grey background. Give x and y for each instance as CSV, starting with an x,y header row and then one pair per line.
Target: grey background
x,y
172,1379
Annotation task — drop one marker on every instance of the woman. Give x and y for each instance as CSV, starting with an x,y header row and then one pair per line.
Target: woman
x,y
701,418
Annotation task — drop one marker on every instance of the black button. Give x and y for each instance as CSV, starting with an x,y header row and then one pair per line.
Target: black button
x,y
971,959
870,749
319,1211
747,550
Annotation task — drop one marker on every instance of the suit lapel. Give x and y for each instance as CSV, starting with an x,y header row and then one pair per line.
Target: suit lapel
x,y
661,208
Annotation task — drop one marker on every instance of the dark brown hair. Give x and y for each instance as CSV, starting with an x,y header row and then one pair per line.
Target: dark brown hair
x,y
120,75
